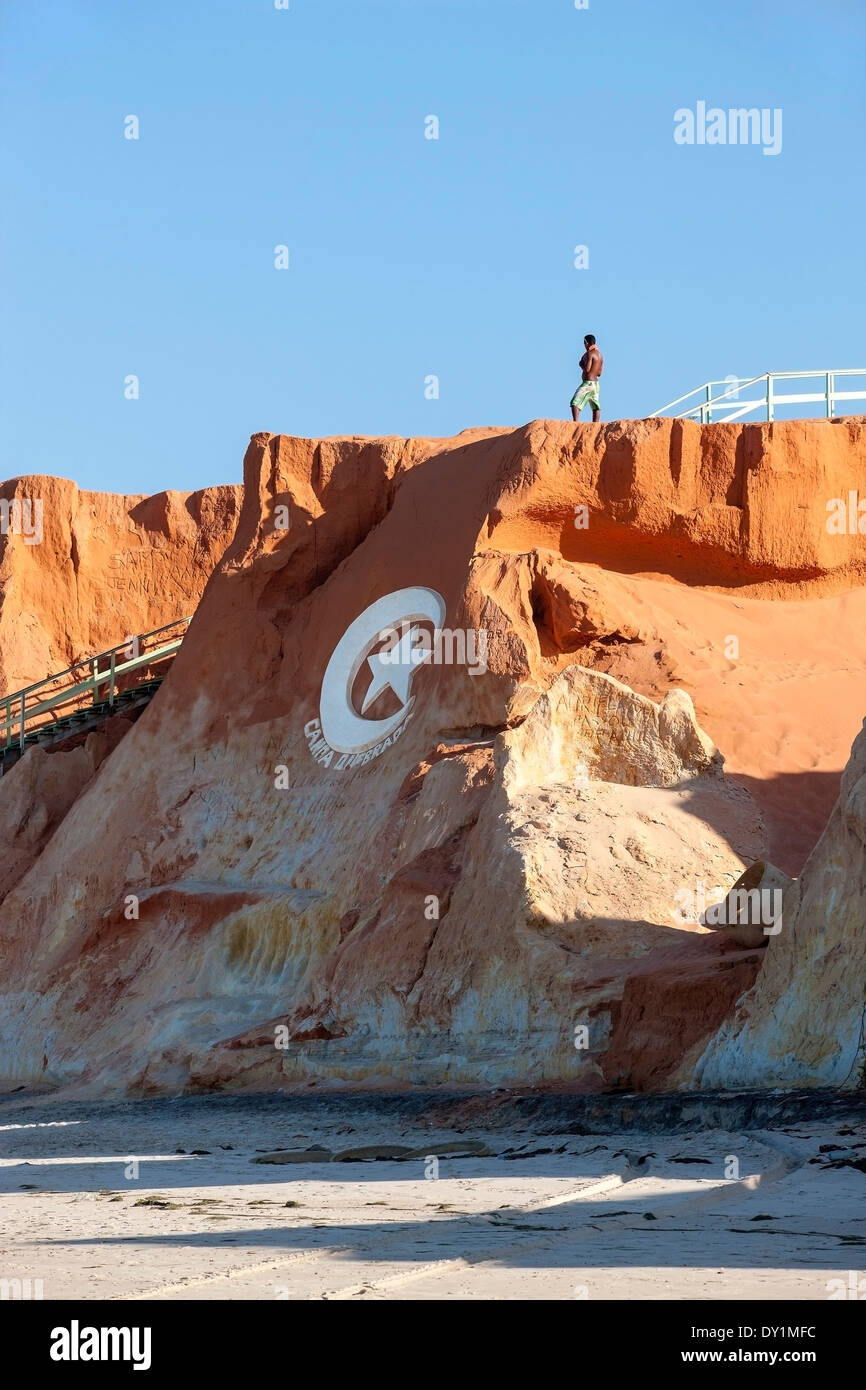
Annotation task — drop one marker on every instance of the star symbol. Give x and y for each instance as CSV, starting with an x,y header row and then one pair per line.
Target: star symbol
x,y
394,667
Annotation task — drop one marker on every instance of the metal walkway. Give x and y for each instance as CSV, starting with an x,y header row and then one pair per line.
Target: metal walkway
x,y
71,701
719,407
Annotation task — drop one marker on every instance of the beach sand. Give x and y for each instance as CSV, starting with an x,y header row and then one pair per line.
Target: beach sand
x,y
109,1201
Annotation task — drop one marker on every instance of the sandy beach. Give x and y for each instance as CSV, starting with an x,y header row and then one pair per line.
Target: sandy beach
x,y
165,1200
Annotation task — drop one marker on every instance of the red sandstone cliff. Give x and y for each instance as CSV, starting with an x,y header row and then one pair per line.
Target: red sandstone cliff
x,y
104,566
443,878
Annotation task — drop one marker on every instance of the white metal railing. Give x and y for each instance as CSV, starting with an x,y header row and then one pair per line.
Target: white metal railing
x,y
708,404
35,707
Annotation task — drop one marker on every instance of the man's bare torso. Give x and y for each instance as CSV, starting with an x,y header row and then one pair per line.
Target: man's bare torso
x,y
591,364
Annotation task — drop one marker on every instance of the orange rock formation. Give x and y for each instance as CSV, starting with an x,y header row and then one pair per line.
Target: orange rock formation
x,y
104,566
329,852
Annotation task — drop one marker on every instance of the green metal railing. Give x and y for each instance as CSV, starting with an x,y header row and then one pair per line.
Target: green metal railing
x,y
34,708
728,402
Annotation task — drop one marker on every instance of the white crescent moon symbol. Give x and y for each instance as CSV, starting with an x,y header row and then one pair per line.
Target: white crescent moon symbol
x,y
342,728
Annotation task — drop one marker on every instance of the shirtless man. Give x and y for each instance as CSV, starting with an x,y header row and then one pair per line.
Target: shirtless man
x,y
591,365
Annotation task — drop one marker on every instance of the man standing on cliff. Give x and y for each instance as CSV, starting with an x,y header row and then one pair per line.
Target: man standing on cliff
x,y
587,393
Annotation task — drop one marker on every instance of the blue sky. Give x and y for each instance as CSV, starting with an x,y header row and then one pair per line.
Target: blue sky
x,y
409,257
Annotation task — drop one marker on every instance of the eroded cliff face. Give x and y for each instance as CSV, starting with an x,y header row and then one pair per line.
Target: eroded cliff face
x,y
37,792
466,864
79,571
803,1022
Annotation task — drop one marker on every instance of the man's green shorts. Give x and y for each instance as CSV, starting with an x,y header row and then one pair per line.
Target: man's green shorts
x,y
587,393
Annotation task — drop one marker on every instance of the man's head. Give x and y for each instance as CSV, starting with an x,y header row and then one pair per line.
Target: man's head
x,y
589,340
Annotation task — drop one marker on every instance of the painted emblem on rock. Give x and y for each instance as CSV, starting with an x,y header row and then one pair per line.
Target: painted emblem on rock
x,y
366,698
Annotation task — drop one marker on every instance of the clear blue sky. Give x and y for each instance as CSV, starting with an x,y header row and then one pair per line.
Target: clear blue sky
x,y
408,256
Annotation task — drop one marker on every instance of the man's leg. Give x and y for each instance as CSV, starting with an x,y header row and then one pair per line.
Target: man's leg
x,y
596,414
578,401
595,402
